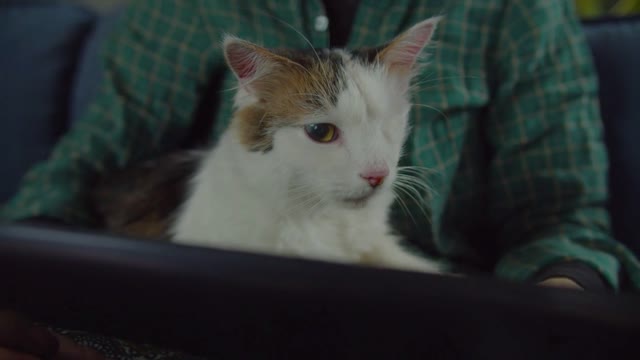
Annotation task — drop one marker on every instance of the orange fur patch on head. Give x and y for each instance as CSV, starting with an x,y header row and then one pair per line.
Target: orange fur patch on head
x,y
293,86
251,128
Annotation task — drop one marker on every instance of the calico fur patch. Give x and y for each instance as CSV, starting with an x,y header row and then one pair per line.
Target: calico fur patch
x,y
139,201
298,84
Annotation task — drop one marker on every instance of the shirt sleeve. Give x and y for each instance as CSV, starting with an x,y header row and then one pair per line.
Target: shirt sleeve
x,y
154,67
548,175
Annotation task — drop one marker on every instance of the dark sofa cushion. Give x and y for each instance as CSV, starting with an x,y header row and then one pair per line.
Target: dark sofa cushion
x,y
39,45
89,74
616,47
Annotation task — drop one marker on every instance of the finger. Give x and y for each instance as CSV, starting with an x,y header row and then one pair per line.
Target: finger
x,y
19,334
561,282
6,354
69,350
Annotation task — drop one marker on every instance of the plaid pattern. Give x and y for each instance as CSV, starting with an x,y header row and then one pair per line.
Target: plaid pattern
x,y
506,118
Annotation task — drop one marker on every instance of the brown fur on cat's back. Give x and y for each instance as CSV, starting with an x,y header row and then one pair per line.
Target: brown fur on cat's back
x,y
140,200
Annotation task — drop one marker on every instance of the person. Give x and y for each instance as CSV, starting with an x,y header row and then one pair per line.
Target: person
x,y
506,115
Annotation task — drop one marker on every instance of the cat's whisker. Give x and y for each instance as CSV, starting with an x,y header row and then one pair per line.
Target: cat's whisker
x,y
267,130
240,85
416,168
404,207
416,85
299,195
294,194
410,179
301,198
321,98
300,206
417,176
420,184
417,173
233,88
300,201
305,94
432,108
316,206
299,187
306,207
414,184
403,192
414,195
407,186
283,22
419,193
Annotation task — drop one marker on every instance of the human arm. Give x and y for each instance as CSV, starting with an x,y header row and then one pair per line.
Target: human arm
x,y
153,70
549,172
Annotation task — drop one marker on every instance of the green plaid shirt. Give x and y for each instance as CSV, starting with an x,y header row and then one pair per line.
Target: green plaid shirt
x,y
506,117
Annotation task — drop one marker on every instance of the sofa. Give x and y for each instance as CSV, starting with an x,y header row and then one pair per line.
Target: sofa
x,y
49,73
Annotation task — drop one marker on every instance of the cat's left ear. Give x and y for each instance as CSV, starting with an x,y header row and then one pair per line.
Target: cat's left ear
x,y
402,53
256,68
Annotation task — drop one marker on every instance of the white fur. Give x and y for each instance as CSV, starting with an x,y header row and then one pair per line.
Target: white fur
x,y
290,201
247,200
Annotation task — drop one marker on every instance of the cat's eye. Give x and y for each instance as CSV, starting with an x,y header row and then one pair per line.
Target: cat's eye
x,y
323,132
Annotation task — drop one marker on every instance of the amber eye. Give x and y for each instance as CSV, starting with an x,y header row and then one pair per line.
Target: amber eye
x,y
323,133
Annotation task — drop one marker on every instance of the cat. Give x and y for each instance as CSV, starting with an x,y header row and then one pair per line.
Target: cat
x,y
307,166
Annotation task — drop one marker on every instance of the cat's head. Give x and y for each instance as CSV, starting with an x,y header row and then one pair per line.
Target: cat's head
x,y
336,120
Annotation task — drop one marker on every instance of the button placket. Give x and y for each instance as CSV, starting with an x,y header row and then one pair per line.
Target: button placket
x,y
321,23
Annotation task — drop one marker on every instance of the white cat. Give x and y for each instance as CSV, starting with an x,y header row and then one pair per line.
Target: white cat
x,y
307,165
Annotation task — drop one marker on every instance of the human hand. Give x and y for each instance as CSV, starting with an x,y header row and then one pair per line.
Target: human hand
x,y
561,282
22,340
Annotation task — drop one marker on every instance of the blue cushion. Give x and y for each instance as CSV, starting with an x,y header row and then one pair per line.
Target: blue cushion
x,y
616,48
39,45
89,74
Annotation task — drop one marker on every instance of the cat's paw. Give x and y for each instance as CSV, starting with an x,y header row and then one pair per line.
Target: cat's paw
x,y
415,263
393,256
446,273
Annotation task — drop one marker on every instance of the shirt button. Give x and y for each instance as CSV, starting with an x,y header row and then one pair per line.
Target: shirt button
x,y
322,23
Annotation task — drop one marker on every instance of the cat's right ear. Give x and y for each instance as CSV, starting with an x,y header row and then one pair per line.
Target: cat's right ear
x,y
402,53
250,63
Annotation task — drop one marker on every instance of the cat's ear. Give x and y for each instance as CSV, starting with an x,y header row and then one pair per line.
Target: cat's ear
x,y
402,53
251,63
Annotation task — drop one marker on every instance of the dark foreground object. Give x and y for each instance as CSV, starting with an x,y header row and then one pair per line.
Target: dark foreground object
x,y
221,304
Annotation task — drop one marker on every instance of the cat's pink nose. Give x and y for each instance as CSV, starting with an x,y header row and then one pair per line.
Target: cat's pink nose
x,y
375,177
